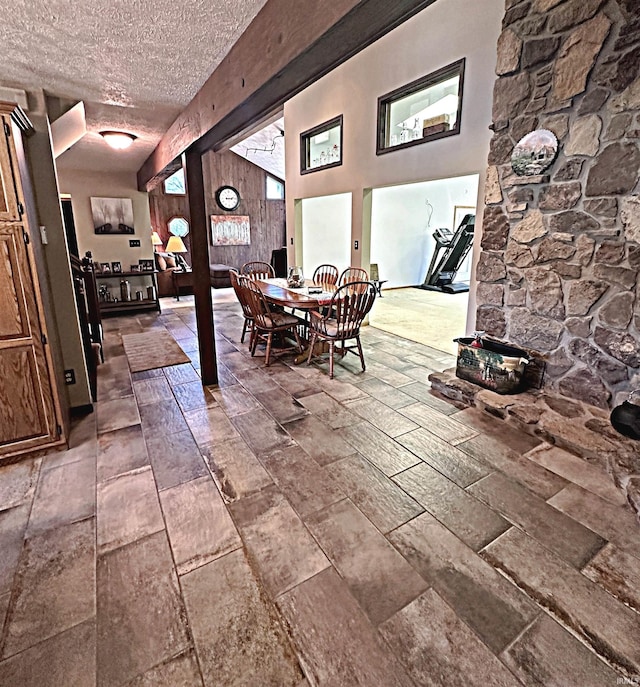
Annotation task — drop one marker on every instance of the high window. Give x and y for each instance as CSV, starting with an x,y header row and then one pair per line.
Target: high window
x,y
174,185
321,147
424,110
275,189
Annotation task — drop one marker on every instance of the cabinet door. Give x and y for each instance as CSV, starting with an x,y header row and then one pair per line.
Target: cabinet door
x,y
27,411
8,195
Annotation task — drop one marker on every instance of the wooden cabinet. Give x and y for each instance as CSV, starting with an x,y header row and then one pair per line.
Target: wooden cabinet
x,y
109,286
29,408
9,204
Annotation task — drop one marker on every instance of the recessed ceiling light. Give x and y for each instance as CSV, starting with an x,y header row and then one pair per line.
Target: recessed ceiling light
x,y
119,140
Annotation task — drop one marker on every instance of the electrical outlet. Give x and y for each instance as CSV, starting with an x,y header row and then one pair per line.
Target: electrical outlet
x,y
355,245
134,243
69,377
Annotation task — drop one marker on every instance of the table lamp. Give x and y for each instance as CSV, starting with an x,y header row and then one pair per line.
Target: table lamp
x,y
176,245
155,240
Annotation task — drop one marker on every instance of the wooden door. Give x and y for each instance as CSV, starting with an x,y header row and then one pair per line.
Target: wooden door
x,y
9,205
27,411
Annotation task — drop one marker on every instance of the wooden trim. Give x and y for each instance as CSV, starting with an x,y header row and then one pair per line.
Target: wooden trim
x,y
297,41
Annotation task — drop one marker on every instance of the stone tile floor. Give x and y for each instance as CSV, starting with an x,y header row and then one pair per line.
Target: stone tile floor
x,y
287,529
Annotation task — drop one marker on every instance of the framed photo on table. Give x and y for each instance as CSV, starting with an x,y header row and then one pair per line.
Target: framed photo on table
x,y
116,267
146,265
105,267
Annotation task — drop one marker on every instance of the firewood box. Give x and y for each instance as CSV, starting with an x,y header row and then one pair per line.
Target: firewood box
x,y
495,366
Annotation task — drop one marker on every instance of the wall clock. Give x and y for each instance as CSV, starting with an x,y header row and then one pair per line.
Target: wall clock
x,y
227,197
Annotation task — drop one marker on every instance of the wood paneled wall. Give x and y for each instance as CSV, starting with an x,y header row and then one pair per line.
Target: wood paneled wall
x,y
267,217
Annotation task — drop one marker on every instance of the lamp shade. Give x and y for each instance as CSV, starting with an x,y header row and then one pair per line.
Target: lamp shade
x,y
176,245
155,239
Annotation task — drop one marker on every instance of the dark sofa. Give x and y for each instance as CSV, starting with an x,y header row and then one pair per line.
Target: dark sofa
x,y
166,263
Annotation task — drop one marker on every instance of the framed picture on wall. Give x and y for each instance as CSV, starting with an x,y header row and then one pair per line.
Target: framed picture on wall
x,y
112,215
230,230
459,212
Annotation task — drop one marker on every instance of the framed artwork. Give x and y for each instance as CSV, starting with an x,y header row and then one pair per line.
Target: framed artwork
x,y
146,265
534,153
105,267
230,230
116,267
134,268
112,215
459,212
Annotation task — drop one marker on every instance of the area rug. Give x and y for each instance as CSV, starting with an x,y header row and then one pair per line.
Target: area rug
x,y
152,349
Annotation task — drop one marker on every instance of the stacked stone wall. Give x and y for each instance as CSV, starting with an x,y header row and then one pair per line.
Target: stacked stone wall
x,y
558,270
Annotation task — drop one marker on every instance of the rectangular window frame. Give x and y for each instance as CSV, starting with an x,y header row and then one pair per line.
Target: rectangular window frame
x,y
456,68
305,145
277,181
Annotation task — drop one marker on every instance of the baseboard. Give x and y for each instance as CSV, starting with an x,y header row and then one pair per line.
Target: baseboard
x,y
81,411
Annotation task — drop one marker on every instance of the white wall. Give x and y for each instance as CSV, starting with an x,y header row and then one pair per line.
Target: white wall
x,y
326,228
402,226
81,186
439,35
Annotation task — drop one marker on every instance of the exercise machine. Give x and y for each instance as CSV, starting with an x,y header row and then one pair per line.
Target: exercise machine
x,y
443,269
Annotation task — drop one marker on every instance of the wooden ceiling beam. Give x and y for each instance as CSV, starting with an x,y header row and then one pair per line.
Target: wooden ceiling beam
x,y
288,45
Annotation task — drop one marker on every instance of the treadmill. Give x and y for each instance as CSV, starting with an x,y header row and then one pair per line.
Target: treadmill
x,y
443,269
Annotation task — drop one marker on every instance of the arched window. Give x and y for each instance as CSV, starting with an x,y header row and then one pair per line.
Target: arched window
x,y
178,226
174,185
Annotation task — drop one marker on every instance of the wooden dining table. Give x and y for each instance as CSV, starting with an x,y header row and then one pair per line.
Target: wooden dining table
x,y
277,292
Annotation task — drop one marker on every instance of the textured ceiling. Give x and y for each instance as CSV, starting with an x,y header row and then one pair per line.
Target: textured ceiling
x,y
135,64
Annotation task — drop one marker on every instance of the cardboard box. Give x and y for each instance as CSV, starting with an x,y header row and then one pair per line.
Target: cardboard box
x,y
438,119
435,129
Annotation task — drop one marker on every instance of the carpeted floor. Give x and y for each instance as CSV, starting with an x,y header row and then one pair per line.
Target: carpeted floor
x,y
427,317
152,349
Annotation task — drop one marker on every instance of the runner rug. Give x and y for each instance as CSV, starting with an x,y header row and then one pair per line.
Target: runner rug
x,y
152,349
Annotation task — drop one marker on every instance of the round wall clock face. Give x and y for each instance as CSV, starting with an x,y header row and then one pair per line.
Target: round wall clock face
x,y
227,197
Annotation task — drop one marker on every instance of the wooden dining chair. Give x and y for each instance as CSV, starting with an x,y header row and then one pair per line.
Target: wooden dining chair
x,y
326,274
266,321
257,270
236,283
341,321
353,274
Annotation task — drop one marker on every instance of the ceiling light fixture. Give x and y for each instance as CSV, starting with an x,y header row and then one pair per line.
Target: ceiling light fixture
x,y
119,140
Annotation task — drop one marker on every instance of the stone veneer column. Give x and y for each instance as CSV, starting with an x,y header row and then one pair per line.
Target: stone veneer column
x,y
558,271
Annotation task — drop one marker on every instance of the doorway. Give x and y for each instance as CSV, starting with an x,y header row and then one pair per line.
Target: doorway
x,y
326,232
403,220
69,226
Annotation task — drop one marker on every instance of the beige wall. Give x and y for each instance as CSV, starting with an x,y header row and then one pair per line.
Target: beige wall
x,y
56,256
439,35
81,186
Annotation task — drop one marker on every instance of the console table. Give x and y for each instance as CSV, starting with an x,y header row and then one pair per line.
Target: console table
x,y
140,281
